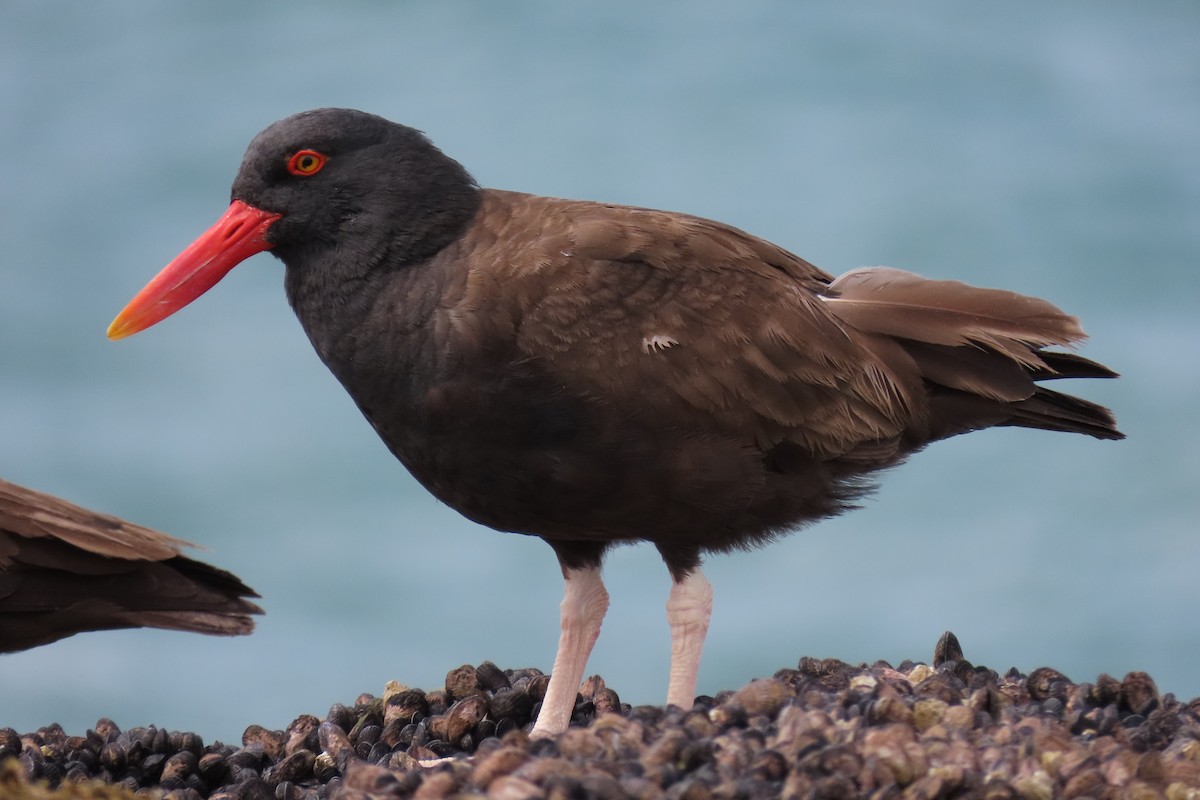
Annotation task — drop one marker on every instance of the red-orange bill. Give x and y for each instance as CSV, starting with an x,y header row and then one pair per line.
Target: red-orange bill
x,y
238,234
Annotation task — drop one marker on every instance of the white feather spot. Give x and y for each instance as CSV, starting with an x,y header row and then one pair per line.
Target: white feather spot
x,y
657,343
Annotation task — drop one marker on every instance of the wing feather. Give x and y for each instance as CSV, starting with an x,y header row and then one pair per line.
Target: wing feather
x,y
898,303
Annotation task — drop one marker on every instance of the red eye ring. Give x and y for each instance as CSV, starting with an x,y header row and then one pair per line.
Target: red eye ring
x,y
306,162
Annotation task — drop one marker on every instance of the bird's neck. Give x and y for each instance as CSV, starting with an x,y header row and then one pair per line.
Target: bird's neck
x,y
350,310
378,280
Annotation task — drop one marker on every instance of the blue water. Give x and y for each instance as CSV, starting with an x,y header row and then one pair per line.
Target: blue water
x,y
1048,148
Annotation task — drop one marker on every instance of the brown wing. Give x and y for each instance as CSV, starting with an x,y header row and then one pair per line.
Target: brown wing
x,y
65,569
674,314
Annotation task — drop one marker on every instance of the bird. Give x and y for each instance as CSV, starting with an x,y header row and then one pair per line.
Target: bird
x,y
595,374
65,570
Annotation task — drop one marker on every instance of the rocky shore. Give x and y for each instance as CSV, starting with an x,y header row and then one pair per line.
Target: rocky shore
x,y
824,729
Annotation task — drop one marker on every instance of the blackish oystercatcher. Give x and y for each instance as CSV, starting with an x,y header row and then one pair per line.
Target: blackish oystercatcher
x,y
65,570
594,374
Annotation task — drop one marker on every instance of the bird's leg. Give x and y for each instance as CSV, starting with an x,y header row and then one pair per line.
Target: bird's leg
x,y
583,606
688,610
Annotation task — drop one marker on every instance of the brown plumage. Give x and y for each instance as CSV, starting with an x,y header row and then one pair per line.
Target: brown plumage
x,y
594,374
65,570
680,380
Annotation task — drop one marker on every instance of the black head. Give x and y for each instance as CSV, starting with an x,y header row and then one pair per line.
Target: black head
x,y
355,181
337,194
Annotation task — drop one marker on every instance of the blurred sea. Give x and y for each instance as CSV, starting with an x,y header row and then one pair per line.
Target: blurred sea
x,y
1046,148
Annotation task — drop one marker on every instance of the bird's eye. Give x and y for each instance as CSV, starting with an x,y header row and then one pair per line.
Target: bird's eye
x,y
306,162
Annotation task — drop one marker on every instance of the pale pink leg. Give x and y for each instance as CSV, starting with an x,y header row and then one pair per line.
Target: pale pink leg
x,y
584,603
688,610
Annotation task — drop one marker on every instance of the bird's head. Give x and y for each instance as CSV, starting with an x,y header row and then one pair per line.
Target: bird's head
x,y
318,186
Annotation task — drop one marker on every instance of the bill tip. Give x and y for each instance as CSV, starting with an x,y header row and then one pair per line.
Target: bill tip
x,y
117,330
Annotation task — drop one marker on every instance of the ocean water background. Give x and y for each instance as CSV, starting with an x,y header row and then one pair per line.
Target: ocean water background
x,y
1047,148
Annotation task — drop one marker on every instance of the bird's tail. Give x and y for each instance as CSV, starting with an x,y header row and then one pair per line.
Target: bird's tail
x,y
65,569
980,352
